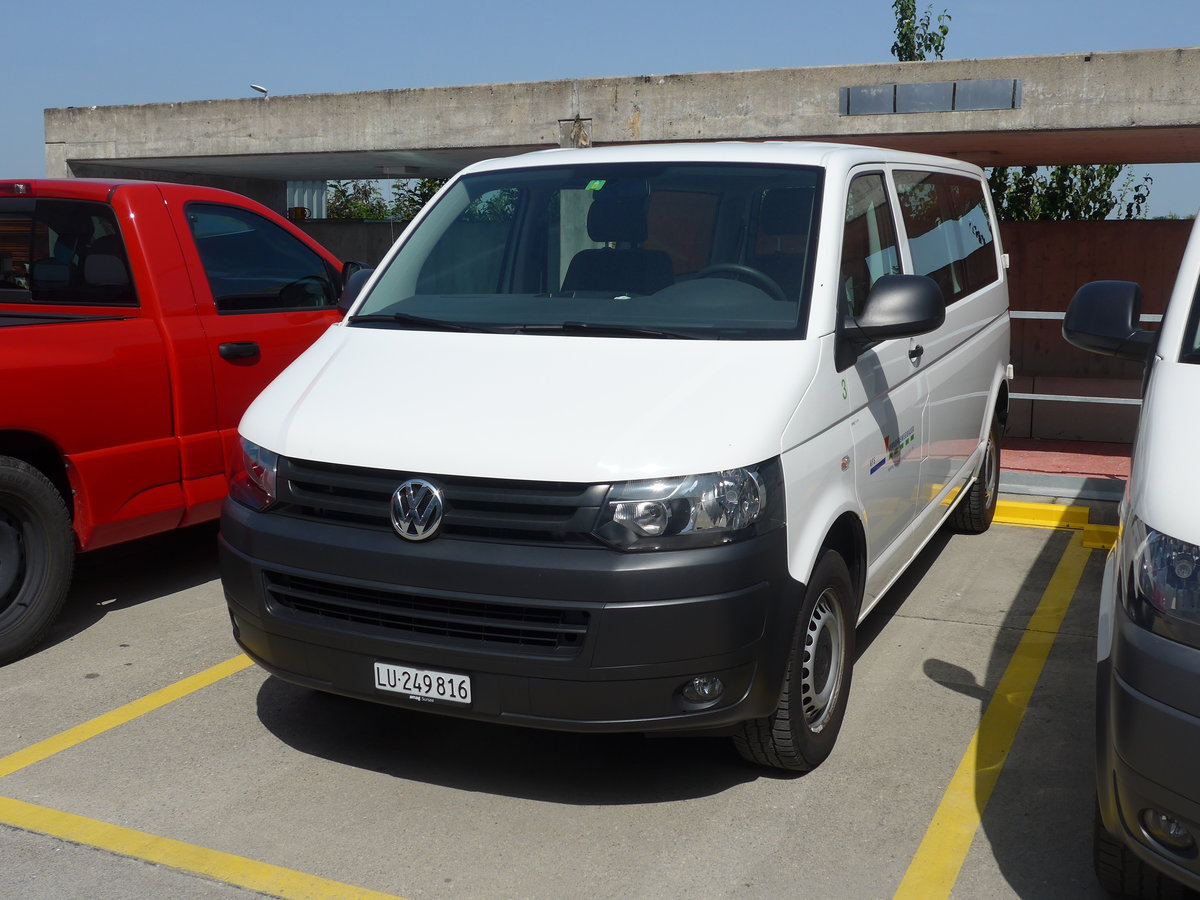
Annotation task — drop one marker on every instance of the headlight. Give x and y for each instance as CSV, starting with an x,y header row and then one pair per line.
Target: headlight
x,y
1165,575
254,486
692,510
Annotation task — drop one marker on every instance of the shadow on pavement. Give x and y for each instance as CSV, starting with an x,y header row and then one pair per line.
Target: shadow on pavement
x,y
129,574
550,766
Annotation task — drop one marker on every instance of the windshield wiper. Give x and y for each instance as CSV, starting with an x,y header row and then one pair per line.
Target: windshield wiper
x,y
422,322
602,330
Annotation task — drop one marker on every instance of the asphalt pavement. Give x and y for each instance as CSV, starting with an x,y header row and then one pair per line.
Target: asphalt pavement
x,y
141,756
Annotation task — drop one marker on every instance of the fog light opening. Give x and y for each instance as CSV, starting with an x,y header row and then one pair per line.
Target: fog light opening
x,y
703,689
1167,831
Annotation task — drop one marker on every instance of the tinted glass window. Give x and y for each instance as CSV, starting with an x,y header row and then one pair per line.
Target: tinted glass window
x,y
718,251
869,242
949,232
253,265
62,251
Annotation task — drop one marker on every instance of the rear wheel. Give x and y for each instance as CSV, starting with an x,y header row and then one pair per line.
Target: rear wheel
x,y
800,734
37,552
975,511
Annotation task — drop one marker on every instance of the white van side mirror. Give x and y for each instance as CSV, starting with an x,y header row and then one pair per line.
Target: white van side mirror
x,y
897,306
1103,317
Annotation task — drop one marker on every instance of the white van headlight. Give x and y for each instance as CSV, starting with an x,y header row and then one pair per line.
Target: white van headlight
x,y
1166,572
692,510
254,484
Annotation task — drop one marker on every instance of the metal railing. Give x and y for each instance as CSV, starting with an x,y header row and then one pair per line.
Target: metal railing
x,y
1073,398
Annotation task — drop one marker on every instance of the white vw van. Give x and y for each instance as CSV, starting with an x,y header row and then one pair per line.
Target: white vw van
x,y
631,439
1147,829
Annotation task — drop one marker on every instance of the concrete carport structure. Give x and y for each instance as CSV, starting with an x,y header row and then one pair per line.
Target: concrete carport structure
x,y
1113,107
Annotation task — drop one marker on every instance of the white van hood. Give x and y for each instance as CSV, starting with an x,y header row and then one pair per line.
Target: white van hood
x,y
1164,488
537,407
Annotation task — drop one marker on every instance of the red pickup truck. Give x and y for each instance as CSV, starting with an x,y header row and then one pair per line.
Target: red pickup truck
x,y
137,322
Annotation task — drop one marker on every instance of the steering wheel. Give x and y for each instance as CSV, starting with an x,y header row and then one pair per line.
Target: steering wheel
x,y
736,270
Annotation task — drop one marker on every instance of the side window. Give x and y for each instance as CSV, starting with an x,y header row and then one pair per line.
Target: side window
x,y
253,265
949,234
62,251
868,242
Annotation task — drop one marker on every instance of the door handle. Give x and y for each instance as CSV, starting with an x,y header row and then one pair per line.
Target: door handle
x,y
238,349
915,353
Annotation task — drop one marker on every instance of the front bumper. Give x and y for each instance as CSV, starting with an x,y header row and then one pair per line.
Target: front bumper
x,y
1147,749
567,638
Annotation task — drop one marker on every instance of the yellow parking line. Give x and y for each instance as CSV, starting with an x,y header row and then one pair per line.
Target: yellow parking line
x,y
939,858
72,737
223,867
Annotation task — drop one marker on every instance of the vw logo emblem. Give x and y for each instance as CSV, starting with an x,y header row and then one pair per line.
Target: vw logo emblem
x,y
417,508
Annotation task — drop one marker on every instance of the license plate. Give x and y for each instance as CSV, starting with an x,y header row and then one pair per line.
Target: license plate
x,y
423,684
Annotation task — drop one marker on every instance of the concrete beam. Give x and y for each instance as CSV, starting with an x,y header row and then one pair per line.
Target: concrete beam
x,y
1129,107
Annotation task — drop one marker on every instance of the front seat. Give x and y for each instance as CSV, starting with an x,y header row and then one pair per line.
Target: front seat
x,y
618,219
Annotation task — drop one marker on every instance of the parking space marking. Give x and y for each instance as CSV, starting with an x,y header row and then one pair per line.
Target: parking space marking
x,y
939,858
226,868
72,737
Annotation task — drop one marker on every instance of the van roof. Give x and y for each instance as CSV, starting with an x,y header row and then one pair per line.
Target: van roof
x,y
811,153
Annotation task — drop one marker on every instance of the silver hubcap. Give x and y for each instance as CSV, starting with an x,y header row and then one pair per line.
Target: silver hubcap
x,y
821,660
991,472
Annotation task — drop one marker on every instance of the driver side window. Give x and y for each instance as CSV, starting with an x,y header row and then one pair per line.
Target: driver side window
x,y
253,265
868,242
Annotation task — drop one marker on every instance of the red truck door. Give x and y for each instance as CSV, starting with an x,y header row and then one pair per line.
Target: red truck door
x,y
264,292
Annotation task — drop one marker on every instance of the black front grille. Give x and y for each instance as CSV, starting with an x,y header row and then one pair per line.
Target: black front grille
x,y
476,508
447,621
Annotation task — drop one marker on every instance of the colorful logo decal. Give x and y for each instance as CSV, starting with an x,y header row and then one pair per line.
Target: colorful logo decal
x,y
894,450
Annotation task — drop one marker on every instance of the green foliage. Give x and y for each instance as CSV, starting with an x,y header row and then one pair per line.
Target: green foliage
x,y
1060,193
409,197
916,38
494,206
362,199
355,199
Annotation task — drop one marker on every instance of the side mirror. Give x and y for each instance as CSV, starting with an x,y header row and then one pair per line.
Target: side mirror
x,y
352,284
1103,317
898,306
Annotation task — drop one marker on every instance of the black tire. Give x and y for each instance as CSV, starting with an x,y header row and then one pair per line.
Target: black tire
x,y
800,734
37,551
1122,873
977,508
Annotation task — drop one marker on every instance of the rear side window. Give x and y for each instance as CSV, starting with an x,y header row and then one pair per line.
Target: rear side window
x,y
949,233
62,252
253,265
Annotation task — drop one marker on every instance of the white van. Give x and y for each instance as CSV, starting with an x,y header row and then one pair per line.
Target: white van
x,y
1147,829
630,439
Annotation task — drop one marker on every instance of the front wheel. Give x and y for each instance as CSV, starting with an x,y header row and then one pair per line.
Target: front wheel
x,y
37,551
800,734
1121,873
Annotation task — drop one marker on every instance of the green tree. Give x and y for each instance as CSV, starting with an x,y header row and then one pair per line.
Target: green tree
x,y
1057,193
356,199
411,195
917,38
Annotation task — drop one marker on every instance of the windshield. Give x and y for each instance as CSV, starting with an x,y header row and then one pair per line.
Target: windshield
x,y
641,250
1190,352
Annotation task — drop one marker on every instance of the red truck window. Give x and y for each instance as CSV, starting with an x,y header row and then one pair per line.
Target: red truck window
x,y
253,265
62,251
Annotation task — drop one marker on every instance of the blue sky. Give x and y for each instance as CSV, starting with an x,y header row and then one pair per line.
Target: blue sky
x,y
129,51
